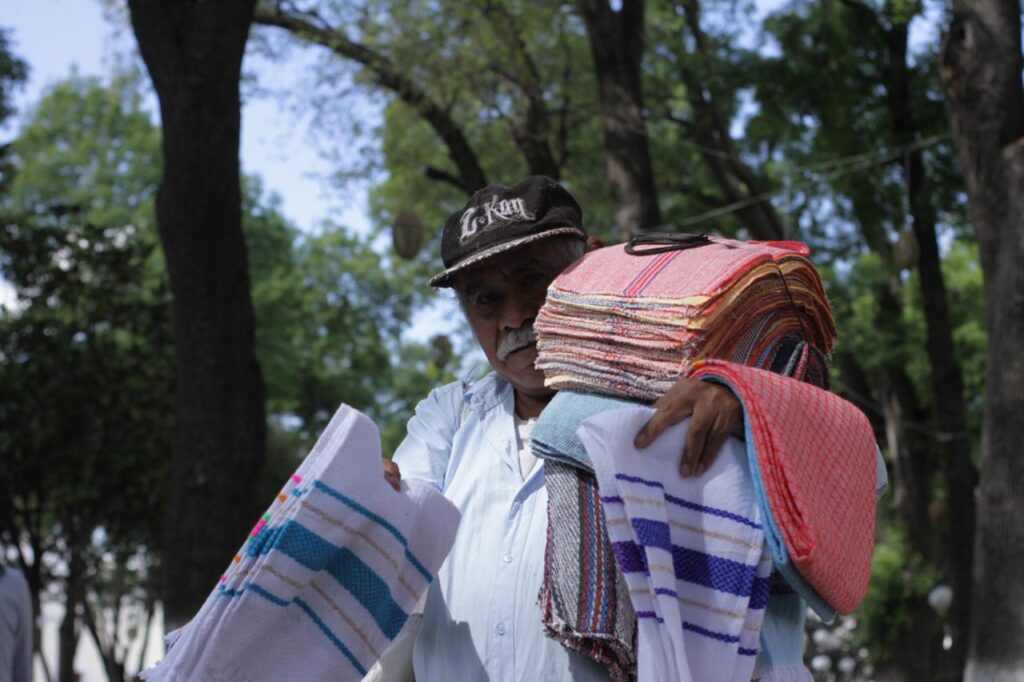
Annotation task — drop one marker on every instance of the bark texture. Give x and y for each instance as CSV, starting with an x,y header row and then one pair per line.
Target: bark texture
x,y
981,72
193,51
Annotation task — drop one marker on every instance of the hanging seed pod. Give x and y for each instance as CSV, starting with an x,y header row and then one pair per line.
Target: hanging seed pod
x,y
905,251
441,350
408,234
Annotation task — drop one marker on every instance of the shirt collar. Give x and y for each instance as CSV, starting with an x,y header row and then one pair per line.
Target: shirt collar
x,y
487,393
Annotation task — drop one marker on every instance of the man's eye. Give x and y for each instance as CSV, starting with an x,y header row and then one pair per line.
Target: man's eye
x,y
485,299
536,280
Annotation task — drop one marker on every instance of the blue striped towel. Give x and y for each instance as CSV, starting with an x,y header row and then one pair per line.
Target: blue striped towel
x,y
692,550
328,575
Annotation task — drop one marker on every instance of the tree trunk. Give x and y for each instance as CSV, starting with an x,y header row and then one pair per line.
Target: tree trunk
x,y
150,609
949,413
73,593
106,648
617,46
532,133
193,51
911,447
981,72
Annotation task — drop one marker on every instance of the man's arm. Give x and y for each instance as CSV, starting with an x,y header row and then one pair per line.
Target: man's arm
x,y
427,447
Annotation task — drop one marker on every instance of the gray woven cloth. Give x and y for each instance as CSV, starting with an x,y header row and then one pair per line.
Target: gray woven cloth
x,y
584,598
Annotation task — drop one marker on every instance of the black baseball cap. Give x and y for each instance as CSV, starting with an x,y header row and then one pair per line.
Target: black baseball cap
x,y
499,218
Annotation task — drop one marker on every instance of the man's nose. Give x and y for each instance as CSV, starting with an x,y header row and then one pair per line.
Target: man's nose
x,y
517,312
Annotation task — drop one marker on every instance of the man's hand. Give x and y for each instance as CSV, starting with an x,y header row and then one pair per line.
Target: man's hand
x,y
393,475
716,415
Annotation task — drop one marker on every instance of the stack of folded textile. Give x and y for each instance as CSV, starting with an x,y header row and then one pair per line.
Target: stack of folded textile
x,y
328,575
629,324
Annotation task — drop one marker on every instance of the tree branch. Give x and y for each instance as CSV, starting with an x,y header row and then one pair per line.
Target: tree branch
x,y
711,129
309,27
532,136
435,173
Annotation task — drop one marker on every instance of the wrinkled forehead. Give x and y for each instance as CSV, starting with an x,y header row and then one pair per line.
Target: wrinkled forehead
x,y
541,257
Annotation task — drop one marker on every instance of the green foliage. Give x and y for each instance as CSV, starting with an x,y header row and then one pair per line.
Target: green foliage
x,y
330,314
481,63
898,579
13,72
961,269
855,303
86,347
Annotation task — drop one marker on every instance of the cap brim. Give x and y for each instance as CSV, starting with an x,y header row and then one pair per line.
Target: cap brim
x,y
443,279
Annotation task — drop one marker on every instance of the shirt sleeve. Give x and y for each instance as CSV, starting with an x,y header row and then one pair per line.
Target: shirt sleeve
x,y
427,447
15,627
8,633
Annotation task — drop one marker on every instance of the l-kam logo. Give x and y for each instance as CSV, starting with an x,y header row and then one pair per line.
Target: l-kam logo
x,y
479,219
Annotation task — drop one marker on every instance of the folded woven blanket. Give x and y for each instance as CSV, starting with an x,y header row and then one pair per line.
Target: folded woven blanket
x,y
584,600
692,550
813,462
554,437
327,576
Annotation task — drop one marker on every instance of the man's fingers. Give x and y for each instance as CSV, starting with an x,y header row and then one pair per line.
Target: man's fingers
x,y
659,421
713,445
392,474
643,436
696,439
666,413
713,411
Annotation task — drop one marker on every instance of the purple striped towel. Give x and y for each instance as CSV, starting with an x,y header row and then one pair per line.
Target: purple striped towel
x,y
691,549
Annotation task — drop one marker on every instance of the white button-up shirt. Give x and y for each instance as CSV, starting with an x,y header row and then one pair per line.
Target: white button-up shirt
x,y
482,619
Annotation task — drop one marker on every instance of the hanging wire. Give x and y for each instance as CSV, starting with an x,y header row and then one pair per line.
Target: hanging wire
x,y
840,167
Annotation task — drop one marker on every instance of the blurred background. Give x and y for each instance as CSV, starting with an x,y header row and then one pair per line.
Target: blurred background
x,y
217,221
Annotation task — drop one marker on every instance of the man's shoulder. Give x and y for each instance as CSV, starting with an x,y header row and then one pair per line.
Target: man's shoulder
x,y
487,392
480,393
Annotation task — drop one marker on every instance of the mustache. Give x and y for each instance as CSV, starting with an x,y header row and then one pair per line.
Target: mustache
x,y
516,339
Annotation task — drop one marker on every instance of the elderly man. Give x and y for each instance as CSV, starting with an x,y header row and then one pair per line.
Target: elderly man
x,y
481,619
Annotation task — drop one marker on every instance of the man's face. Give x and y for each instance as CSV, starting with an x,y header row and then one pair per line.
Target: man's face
x,y
501,298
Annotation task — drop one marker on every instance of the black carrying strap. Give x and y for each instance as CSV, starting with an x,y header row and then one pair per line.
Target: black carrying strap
x,y
651,243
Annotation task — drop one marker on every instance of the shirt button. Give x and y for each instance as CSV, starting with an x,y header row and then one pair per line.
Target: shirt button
x,y
500,629
507,558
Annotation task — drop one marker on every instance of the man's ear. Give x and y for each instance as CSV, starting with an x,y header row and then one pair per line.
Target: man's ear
x,y
594,243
